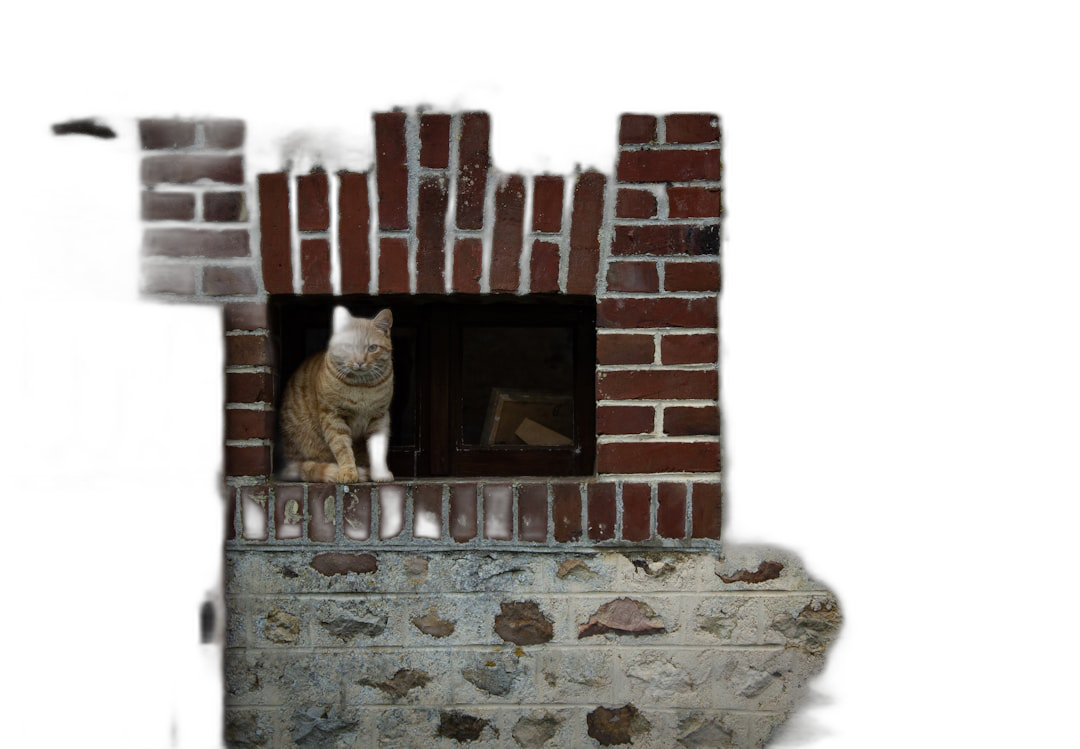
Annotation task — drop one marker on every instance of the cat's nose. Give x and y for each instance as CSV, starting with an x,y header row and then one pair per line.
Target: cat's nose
x,y
354,365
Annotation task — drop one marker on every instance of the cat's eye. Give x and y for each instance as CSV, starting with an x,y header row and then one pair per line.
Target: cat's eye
x,y
373,347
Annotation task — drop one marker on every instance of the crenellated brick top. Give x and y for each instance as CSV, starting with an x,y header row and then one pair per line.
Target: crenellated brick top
x,y
433,216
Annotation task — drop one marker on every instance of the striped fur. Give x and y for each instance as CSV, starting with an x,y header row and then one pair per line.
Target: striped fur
x,y
338,400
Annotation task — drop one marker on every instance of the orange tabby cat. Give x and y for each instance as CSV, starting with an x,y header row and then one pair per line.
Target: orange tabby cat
x,y
338,399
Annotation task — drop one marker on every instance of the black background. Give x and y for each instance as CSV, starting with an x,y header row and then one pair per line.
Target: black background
x,y
811,361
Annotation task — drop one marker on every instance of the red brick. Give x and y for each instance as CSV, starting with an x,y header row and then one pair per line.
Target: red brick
x,y
473,163
506,238
532,512
657,457
585,233
632,277
684,421
168,206
230,514
321,525
671,510
624,419
692,276
284,494
689,349
601,511
706,511
245,424
636,500
393,265
224,206
498,507
635,204
692,128
666,239
547,203
223,133
249,387
247,461
253,512
637,128
566,508
625,349
391,511
544,268
247,350
246,316
184,169
468,265
463,512
276,236
391,172
158,134
430,235
313,202
353,230
196,243
168,279
668,165
228,281
693,202
427,501
657,384
356,512
435,141
657,312
315,266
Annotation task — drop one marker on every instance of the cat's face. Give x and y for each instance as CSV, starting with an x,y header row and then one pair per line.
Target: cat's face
x,y
360,349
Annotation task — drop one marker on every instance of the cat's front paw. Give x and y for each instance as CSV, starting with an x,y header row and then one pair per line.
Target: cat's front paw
x,y
382,476
348,475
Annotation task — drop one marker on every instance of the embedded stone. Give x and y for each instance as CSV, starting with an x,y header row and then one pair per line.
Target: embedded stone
x,y
245,730
338,563
491,677
663,680
623,616
721,625
400,683
416,566
611,726
765,571
462,727
431,624
709,735
281,626
812,629
318,728
574,568
653,568
752,681
531,733
522,623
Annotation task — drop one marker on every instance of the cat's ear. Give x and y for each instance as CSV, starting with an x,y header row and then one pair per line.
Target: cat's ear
x,y
342,319
383,321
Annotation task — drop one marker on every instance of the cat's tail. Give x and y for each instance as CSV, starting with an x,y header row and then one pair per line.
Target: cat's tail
x,y
318,473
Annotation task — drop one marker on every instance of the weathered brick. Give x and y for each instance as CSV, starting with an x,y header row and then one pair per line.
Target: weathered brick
x,y
532,512
473,163
158,134
249,387
313,202
353,229
506,238
657,457
624,419
247,350
393,265
657,384
693,202
657,312
254,512
168,206
671,510
498,512
245,424
435,141
633,277
463,512
683,421
276,236
315,266
184,169
288,510
229,281
689,349
637,128
223,133
706,511
601,511
635,204
230,514
430,235
704,276
544,269
625,349
356,513
692,128
427,502
636,499
584,262
566,508
547,203
668,165
169,279
468,265
666,239
391,172
321,524
224,206
196,243
246,316
247,461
